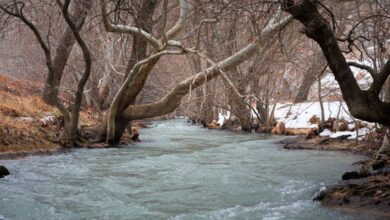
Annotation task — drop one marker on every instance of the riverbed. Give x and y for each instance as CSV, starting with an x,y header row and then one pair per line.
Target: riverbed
x,y
178,171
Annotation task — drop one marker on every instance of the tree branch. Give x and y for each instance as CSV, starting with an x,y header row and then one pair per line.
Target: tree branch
x,y
184,9
112,113
382,76
34,29
117,28
364,67
173,99
365,105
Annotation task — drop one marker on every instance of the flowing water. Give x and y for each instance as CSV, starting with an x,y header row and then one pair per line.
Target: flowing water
x,y
178,171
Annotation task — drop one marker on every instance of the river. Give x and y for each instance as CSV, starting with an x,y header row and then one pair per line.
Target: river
x,y
178,171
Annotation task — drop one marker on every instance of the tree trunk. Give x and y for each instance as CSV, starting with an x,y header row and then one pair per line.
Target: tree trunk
x,y
138,53
385,148
310,77
173,99
65,46
139,50
69,136
365,105
239,105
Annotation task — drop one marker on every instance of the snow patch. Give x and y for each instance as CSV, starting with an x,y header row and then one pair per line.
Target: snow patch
x,y
326,133
298,115
222,118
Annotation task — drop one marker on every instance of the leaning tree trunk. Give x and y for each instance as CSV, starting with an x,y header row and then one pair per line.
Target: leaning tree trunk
x,y
173,99
363,104
138,53
310,77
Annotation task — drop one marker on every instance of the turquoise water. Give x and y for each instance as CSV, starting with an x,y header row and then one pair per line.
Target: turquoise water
x,y
178,171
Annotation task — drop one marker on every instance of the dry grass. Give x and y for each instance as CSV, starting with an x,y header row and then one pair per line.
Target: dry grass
x,y
24,106
20,111
22,97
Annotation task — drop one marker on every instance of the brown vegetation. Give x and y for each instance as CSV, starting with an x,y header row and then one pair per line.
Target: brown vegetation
x,y
20,111
257,61
27,125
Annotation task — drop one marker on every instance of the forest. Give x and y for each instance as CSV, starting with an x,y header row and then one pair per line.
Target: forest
x,y
195,109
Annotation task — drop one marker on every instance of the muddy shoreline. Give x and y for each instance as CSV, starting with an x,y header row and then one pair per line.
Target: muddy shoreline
x,y
328,144
367,188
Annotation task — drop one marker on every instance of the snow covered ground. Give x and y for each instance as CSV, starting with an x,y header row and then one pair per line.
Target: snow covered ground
x,y
360,134
298,116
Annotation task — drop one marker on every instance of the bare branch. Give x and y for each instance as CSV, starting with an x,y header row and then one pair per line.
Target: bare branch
x,y
377,85
184,9
364,67
117,28
172,100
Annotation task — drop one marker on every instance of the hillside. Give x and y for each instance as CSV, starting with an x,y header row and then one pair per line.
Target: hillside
x,y
27,125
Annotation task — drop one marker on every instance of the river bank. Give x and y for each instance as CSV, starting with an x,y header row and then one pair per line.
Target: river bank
x,y
367,188
369,193
177,171
29,127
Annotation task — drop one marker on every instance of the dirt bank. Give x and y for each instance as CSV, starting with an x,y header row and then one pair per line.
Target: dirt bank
x,y
329,144
28,126
367,188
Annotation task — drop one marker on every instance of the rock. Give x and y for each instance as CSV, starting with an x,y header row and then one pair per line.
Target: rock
x,y
354,175
279,129
369,193
25,119
343,126
383,171
329,123
135,134
320,195
213,125
315,120
378,164
340,125
361,124
343,137
47,120
3,171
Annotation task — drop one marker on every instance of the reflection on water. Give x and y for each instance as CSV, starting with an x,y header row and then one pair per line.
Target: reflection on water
x,y
177,172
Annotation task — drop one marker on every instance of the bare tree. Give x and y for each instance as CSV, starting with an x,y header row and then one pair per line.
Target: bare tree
x,y
118,119
71,115
363,104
